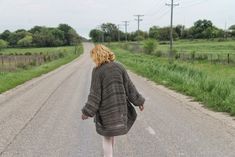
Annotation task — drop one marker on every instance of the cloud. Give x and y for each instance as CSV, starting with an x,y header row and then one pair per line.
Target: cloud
x,y
85,15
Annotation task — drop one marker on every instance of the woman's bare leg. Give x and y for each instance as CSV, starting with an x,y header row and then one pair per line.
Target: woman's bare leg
x,y
113,141
107,146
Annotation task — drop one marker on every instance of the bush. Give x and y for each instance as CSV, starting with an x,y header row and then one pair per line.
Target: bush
x,y
149,46
3,44
28,53
61,54
139,38
158,53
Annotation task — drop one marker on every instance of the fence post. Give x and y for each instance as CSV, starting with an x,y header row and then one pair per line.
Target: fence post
x,y
15,60
9,61
2,60
211,58
228,58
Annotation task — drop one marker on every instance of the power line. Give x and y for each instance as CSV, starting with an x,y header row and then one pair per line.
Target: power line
x,y
158,11
194,3
155,7
162,15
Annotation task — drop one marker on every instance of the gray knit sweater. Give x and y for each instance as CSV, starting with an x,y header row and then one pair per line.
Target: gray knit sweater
x,y
110,88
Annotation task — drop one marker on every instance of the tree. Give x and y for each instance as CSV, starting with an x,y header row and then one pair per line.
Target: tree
x,y
16,36
96,35
232,30
58,36
5,35
73,37
26,41
179,29
42,36
164,33
203,29
137,35
154,32
141,35
35,29
48,37
70,35
20,30
110,31
3,44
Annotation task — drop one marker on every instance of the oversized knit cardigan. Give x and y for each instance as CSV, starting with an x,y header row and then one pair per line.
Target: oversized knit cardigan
x,y
110,88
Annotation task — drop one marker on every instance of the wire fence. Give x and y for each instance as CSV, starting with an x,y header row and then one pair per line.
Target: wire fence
x,y
214,58
13,62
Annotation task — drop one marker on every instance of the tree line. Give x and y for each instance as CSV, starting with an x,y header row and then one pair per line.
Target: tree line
x,y
202,29
40,36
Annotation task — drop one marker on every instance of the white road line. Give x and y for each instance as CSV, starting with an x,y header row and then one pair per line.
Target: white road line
x,y
150,130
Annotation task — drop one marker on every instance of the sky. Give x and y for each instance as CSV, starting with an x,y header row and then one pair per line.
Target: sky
x,y
84,15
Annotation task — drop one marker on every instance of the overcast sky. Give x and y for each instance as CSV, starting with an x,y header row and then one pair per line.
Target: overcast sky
x,y
84,15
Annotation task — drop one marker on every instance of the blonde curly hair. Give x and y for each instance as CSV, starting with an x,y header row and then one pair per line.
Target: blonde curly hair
x,y
101,54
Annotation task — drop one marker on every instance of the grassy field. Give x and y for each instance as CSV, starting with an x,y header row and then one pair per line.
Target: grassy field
x,y
212,84
222,52
202,46
9,80
198,46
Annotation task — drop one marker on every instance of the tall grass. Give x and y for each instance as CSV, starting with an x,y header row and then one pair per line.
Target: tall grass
x,y
217,93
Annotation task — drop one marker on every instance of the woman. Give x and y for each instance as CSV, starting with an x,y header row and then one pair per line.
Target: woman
x,y
110,91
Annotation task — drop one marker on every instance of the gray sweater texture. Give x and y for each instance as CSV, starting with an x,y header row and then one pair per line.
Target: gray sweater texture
x,y
110,88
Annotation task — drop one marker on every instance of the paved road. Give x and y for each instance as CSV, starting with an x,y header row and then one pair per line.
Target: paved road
x,y
42,118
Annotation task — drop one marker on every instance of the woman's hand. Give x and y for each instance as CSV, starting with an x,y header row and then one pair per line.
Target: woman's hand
x,y
84,117
141,107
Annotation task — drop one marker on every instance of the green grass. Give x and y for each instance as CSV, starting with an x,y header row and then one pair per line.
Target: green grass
x,y
36,50
10,80
214,85
202,46
199,46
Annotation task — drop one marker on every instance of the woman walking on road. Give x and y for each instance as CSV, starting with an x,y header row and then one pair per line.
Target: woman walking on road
x,y
111,92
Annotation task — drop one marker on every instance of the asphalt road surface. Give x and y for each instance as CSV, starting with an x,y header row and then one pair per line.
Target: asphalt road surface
x,y
42,118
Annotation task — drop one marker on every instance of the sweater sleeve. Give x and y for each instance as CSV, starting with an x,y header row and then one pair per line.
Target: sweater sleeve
x,y
94,98
132,93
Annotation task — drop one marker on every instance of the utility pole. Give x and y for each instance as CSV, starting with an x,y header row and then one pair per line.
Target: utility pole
x,y
225,30
118,32
126,24
138,21
171,31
